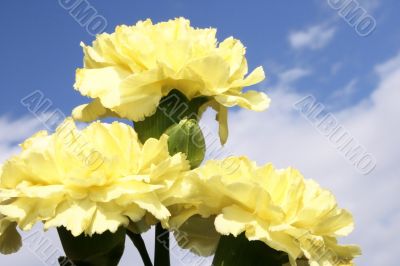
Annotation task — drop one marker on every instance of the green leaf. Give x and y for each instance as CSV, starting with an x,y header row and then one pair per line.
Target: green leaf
x,y
238,251
98,250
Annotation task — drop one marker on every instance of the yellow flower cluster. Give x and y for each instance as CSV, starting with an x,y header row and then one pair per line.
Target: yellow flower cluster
x,y
48,182
278,207
120,181
129,71
102,177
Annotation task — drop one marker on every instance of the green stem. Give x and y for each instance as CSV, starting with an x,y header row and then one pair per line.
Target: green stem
x,y
171,110
137,240
161,251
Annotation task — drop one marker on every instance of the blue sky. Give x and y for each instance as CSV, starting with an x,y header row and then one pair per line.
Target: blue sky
x,y
40,47
305,48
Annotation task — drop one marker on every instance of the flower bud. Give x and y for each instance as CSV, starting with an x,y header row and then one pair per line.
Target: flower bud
x,y
188,138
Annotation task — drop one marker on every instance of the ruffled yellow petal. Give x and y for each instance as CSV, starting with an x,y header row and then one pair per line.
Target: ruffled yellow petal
x,y
101,83
108,217
222,118
251,100
232,221
152,204
253,78
75,216
213,72
92,111
140,96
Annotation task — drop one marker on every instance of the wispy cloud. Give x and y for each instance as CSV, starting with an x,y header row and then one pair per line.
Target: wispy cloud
x,y
348,90
314,37
336,67
15,130
290,76
370,5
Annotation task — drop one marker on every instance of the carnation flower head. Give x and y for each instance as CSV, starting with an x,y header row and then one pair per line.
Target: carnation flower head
x,y
128,71
276,206
88,181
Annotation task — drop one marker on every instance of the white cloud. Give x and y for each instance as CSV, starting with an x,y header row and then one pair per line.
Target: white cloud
x,y
314,37
285,138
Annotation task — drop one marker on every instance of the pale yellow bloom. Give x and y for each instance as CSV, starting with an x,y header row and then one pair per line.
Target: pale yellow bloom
x,y
89,181
127,72
278,207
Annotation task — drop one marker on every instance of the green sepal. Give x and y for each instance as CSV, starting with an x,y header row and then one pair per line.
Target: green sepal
x,y
239,251
171,110
98,250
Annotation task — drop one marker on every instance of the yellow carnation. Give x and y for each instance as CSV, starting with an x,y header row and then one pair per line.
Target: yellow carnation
x,y
278,207
129,71
88,181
